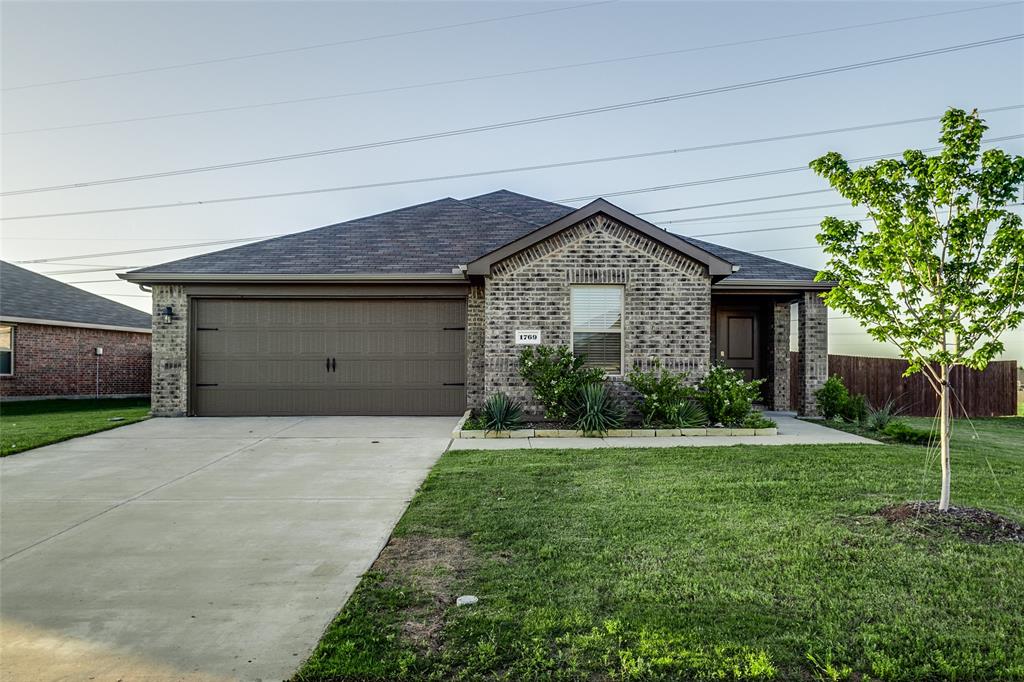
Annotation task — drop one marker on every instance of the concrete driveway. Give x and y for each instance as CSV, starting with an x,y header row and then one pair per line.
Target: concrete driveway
x,y
197,548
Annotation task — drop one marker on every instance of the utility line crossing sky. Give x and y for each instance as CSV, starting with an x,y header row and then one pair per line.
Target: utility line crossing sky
x,y
136,133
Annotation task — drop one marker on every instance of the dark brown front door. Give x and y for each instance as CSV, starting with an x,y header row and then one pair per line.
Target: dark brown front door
x,y
738,341
328,357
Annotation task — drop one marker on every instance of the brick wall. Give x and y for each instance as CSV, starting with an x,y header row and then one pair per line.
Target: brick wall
x,y
170,352
476,327
667,303
812,370
62,361
778,356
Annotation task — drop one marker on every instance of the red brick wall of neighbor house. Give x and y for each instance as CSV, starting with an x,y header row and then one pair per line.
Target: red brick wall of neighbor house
x,y
62,361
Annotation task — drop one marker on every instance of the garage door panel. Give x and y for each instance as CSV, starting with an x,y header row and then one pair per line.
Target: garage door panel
x,y
267,357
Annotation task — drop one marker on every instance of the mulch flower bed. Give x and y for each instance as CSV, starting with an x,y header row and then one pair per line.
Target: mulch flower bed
x,y
970,524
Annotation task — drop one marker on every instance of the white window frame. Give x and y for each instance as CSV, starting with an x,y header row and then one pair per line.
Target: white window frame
x,y
573,288
12,328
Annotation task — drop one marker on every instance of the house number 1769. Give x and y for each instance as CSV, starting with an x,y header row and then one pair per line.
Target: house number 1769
x,y
527,337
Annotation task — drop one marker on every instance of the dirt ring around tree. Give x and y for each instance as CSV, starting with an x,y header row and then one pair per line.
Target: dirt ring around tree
x,y
968,523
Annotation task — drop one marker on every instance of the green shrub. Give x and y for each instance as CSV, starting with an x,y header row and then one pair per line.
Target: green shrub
x,y
834,401
556,377
595,411
832,397
756,420
661,394
855,409
501,413
901,432
878,418
726,397
474,423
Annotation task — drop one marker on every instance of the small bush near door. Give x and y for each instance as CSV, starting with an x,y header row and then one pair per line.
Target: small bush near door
x,y
726,397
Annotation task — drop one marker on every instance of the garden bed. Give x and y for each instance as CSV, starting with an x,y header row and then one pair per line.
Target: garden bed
x,y
558,431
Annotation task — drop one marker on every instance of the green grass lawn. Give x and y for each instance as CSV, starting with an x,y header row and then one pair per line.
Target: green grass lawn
x,y
28,424
693,563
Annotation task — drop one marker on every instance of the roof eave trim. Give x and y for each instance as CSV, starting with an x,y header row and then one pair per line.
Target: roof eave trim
x,y
69,323
189,277
715,265
773,284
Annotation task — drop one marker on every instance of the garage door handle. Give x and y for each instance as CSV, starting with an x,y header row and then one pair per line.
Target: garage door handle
x,y
328,366
454,329
202,385
334,365
454,384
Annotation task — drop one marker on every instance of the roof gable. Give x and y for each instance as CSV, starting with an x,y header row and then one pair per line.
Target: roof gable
x,y
717,267
27,295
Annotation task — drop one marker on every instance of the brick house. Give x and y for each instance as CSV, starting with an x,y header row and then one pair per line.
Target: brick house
x,y
424,310
57,341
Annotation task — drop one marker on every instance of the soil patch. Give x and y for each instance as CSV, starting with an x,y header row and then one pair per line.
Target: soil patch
x,y
970,524
432,566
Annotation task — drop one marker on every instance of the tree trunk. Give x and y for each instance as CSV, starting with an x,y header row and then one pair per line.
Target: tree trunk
x,y
944,409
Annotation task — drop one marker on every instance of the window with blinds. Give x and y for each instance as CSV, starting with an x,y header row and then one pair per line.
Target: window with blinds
x,y
6,350
597,326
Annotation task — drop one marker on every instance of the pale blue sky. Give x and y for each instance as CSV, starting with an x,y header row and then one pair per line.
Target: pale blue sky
x,y
44,41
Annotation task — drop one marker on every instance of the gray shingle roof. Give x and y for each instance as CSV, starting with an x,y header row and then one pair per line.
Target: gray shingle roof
x,y
753,266
430,238
26,294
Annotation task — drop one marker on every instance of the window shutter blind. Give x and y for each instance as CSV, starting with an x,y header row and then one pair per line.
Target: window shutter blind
x,y
597,326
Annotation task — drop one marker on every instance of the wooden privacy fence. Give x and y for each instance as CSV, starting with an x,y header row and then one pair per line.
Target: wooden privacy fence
x,y
989,393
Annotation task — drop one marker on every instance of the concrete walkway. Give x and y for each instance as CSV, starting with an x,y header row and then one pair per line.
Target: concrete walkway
x,y
197,549
792,431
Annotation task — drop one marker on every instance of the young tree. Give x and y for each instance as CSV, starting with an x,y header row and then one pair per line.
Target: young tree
x,y
938,270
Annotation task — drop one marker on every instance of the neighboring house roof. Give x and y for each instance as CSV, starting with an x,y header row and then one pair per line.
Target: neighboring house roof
x,y
28,296
432,240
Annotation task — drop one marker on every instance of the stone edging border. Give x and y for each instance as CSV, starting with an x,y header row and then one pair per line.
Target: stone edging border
x,y
458,432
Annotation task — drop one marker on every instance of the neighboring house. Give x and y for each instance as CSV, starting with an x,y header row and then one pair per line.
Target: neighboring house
x,y
423,310
59,341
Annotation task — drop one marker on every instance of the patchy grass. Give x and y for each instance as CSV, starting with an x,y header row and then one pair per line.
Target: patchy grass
x,y
694,563
31,423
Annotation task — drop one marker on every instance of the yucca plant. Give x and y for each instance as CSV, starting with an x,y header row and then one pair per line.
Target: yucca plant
x,y
596,411
687,415
501,413
880,417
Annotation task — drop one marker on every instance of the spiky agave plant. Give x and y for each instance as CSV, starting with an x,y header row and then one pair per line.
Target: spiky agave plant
x,y
688,415
501,413
596,411
880,417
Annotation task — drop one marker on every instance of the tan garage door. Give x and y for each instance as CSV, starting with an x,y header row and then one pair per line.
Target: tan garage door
x,y
358,357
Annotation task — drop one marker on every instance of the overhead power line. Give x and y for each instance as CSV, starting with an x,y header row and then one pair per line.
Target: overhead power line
x,y
63,259
757,229
737,201
82,271
529,121
492,76
502,171
746,176
149,250
791,248
305,48
743,215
